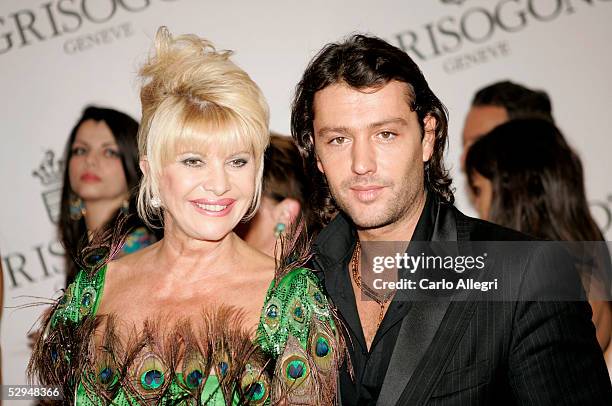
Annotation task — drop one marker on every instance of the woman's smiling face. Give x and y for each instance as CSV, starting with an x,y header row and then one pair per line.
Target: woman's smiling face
x,y
206,194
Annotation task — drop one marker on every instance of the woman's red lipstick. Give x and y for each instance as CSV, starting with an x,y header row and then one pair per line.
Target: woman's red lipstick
x,y
90,177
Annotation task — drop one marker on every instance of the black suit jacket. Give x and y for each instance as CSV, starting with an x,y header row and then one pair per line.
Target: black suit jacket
x,y
469,352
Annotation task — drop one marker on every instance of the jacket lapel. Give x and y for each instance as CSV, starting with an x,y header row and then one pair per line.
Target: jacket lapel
x,y
333,248
342,299
415,335
420,325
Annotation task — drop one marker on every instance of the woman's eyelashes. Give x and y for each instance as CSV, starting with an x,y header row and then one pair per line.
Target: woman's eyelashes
x,y
112,153
192,161
238,162
195,161
78,151
106,152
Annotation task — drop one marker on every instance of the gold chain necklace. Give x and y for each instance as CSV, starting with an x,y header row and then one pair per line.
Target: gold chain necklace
x,y
365,289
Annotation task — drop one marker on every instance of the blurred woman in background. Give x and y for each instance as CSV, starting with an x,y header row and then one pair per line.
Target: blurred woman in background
x,y
524,176
284,198
101,177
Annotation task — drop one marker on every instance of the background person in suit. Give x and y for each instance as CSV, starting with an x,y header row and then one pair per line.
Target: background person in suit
x,y
373,135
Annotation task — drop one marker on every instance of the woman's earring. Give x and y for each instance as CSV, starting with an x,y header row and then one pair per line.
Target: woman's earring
x,y
156,202
278,229
76,208
125,207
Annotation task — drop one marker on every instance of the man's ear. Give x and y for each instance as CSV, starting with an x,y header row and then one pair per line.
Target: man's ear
x,y
429,137
286,211
314,151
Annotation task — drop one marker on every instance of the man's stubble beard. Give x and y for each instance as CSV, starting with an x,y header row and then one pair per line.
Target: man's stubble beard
x,y
397,207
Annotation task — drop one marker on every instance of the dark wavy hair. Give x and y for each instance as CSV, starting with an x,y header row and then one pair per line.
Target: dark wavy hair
x,y
361,62
73,234
537,181
284,176
518,100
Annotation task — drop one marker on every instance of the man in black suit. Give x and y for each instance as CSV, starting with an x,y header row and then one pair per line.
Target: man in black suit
x,y
373,134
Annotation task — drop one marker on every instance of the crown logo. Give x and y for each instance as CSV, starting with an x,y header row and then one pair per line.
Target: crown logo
x,y
49,173
50,170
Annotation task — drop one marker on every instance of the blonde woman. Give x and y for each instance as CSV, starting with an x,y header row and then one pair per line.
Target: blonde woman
x,y
200,316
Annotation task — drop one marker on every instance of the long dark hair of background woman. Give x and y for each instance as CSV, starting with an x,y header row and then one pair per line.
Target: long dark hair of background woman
x,y
73,231
525,176
537,181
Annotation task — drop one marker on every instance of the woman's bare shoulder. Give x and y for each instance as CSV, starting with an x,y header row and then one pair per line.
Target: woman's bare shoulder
x,y
259,262
136,260
125,272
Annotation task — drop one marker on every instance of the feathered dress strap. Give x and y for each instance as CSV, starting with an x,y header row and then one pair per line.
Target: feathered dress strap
x,y
81,298
65,330
300,330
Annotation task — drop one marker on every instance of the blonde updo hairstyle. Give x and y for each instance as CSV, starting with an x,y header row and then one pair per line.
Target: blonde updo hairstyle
x,y
193,97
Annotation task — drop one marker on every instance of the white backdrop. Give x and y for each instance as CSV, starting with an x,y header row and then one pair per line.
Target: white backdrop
x,y
56,56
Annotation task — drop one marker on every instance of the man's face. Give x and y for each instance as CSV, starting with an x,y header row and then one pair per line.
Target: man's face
x,y
479,121
369,145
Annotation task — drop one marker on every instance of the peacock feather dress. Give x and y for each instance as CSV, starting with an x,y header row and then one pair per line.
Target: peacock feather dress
x,y
210,360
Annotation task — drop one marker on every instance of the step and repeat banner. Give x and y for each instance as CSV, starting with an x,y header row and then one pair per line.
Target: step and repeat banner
x,y
56,56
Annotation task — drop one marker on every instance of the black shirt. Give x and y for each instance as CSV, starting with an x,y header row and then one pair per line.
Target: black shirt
x,y
333,250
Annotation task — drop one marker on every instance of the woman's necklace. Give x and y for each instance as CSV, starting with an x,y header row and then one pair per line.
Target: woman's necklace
x,y
365,289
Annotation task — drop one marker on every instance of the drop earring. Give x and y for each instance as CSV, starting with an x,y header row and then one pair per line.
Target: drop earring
x,y
76,208
279,229
125,207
